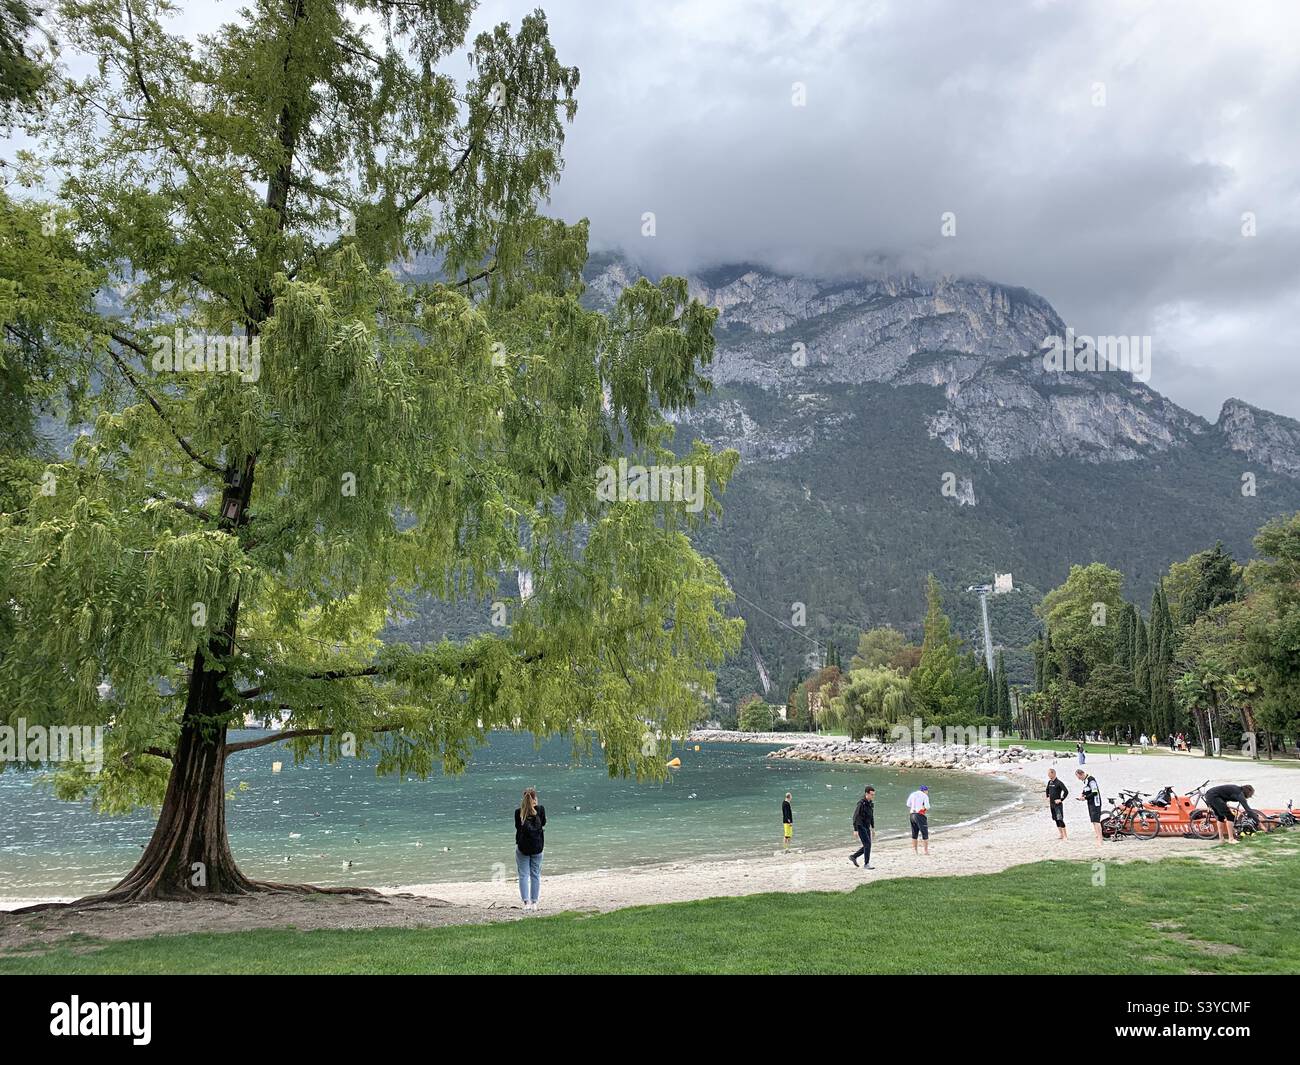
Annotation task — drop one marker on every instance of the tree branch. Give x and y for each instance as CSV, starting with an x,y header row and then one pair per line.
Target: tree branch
x,y
127,372
291,734
188,508
329,674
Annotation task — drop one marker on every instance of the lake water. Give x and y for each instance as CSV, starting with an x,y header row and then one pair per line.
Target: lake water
x,y
305,822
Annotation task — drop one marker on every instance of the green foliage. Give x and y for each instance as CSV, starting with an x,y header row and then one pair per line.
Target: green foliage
x,y
934,681
756,716
1080,615
1205,580
1273,632
1106,703
873,700
878,647
246,537
22,75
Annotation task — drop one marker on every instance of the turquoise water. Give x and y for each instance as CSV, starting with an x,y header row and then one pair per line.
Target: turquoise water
x,y
306,821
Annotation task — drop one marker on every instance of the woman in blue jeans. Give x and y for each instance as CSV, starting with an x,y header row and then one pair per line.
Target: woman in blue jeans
x,y
530,820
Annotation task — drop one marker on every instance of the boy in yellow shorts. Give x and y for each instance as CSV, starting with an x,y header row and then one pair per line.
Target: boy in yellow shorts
x,y
787,820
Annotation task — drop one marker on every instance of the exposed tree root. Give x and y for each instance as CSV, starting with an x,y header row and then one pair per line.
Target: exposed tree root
x,y
127,896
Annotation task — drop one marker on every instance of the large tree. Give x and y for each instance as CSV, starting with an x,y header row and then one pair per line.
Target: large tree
x,y
1082,615
231,543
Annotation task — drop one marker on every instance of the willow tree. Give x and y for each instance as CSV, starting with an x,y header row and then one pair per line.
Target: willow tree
x,y
232,540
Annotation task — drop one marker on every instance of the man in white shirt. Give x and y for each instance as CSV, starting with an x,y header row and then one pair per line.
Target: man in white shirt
x,y
918,805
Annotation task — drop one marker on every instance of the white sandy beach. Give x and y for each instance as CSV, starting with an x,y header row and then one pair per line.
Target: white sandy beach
x,y
1014,837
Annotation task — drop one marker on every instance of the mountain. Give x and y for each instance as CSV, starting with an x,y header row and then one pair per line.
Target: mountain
x,y
894,426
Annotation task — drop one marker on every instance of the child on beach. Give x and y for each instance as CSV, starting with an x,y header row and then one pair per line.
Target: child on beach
x,y
787,821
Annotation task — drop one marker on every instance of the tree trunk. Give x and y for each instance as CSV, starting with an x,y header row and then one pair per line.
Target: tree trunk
x,y
189,854
1203,732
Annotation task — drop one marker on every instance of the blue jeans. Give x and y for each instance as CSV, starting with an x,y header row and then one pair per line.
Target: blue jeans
x,y
530,875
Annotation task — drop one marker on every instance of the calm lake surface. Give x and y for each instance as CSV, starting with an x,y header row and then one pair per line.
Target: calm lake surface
x,y
305,822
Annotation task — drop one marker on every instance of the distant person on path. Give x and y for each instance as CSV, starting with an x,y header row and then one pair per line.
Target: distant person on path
x,y
1143,741
1083,756
787,820
918,806
864,823
1217,799
530,820
1092,796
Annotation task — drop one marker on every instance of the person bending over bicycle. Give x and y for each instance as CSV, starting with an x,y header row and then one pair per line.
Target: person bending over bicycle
x,y
1217,800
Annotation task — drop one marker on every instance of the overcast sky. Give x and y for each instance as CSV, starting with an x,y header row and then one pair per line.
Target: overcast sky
x,y
1126,216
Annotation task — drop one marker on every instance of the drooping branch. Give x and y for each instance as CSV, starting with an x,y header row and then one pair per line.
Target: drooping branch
x,y
129,374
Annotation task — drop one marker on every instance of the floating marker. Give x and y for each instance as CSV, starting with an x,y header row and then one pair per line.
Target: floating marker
x,y
276,766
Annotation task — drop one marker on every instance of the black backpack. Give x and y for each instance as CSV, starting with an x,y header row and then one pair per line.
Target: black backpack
x,y
529,837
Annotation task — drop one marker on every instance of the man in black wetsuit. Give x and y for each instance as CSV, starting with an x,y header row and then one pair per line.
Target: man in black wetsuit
x,y
864,823
1057,793
1217,799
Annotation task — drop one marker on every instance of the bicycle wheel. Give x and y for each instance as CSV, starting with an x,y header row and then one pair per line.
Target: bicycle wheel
x,y
1205,828
1108,826
1145,825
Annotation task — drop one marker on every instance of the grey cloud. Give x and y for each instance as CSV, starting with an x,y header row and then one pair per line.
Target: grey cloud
x,y
1126,217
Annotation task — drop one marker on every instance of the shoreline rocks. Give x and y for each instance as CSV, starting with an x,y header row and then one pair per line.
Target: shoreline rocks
x,y
808,747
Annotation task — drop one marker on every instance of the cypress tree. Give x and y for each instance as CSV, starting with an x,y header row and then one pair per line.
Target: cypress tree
x,y
224,544
1003,707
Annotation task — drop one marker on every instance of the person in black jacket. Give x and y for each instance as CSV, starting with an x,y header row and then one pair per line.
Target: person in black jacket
x,y
530,819
1057,793
787,821
1217,799
864,823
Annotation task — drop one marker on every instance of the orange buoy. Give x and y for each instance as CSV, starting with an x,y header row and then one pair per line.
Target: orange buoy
x,y
676,763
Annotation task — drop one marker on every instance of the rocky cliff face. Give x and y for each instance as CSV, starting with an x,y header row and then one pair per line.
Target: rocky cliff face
x,y
978,342
895,427
1261,436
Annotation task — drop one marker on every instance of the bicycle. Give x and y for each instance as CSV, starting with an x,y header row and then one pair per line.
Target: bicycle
x,y
1129,818
1244,824
1202,819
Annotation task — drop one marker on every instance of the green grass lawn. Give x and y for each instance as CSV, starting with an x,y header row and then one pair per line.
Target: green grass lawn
x,y
1174,916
